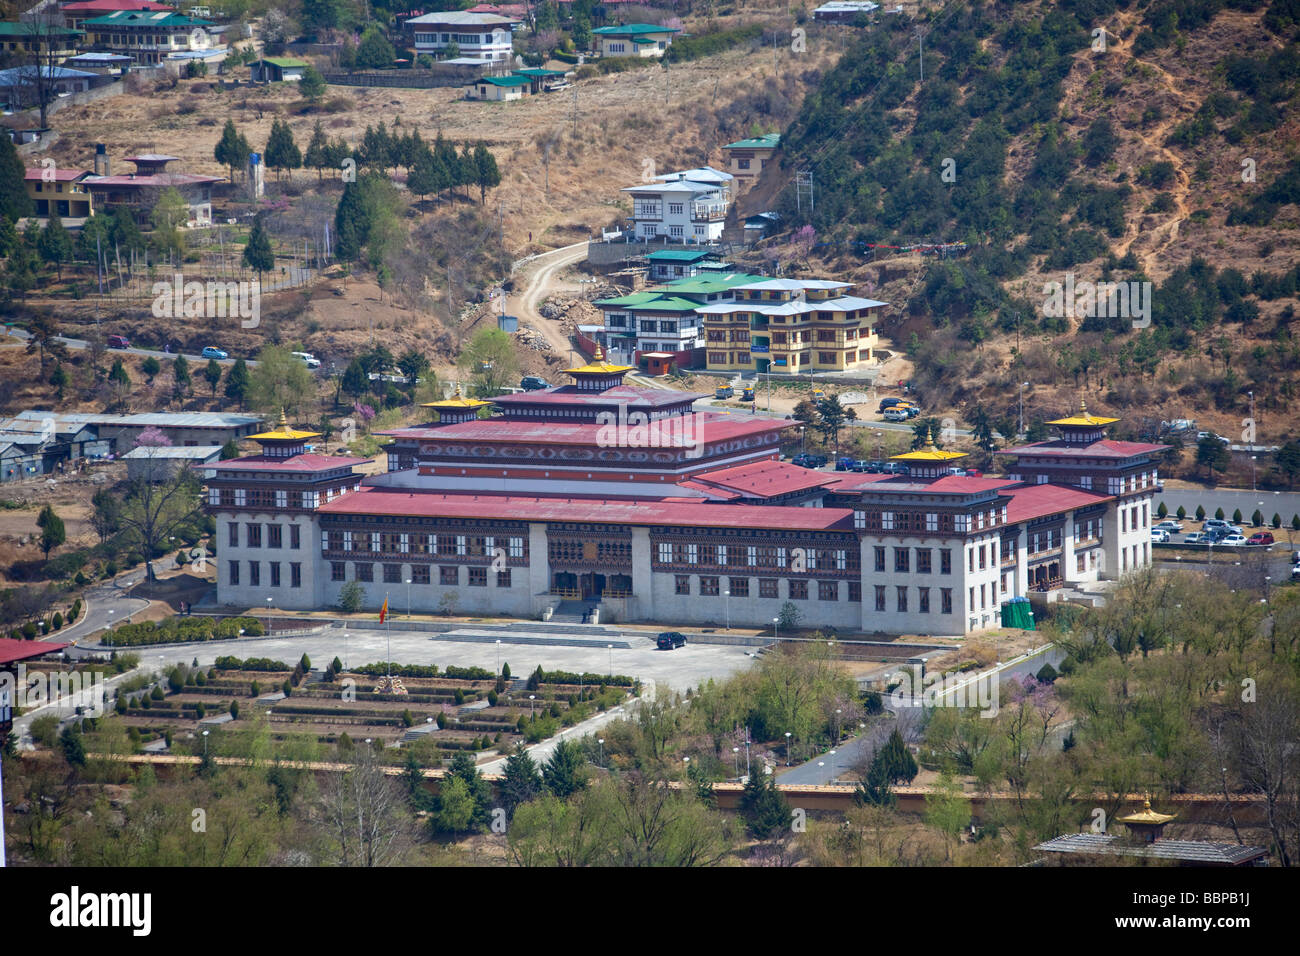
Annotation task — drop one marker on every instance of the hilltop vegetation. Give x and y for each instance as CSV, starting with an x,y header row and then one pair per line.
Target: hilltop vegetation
x,y
1118,141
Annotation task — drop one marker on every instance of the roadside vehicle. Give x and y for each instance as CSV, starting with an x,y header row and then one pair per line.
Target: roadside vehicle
x,y
1260,538
1159,537
1232,541
212,351
912,410
844,464
531,383
747,395
1198,537
670,639
1173,527
860,465
118,342
1295,572
724,391
896,413
1212,523
876,466
890,403
818,394
1200,436
308,359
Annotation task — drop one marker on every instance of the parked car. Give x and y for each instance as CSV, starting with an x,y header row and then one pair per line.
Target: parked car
x,y
1218,524
860,465
1260,538
890,403
1198,537
1232,541
844,464
876,466
1159,536
119,342
1200,436
670,639
1295,557
895,468
531,383
308,359
1173,527
912,410
896,413
213,352
723,391
1295,572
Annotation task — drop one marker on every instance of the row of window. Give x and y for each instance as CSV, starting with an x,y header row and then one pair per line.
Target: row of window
x,y
448,574
275,573
257,535
928,521
924,560
756,556
401,542
902,602
768,588
1128,518
261,498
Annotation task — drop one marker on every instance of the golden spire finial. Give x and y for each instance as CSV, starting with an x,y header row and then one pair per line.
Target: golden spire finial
x,y
284,421
599,356
457,395
929,439
1146,801
1083,408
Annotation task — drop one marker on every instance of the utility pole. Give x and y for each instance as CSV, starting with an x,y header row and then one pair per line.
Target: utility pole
x,y
803,179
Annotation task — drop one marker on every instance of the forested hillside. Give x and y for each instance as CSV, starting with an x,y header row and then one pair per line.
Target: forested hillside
x,y
1112,140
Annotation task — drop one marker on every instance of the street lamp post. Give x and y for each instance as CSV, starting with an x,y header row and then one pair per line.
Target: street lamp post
x,y
610,648
1253,486
408,599
531,708
787,748
833,752
345,650
601,741
498,657
735,760
776,623
1023,386
726,599
205,742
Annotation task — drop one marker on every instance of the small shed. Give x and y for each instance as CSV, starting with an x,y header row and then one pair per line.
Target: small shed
x,y
539,79
508,323
513,87
277,69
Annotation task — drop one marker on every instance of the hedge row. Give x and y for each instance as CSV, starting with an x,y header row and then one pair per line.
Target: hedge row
x,y
706,44
568,677
383,668
250,664
183,630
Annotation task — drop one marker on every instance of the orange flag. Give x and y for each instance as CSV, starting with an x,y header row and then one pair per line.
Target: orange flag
x,y
383,611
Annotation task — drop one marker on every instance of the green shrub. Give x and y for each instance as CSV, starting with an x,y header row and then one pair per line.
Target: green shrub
x,y
492,698
234,709
1200,512
29,631
286,688
256,689
459,696
157,693
57,620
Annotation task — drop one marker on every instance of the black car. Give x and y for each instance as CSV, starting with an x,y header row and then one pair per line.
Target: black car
x,y
531,383
670,639
890,403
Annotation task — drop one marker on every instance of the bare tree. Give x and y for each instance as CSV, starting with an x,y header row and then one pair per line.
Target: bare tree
x,y
1268,761
366,816
154,509
43,35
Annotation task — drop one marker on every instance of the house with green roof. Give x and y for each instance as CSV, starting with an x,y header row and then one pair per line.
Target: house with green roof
x,y
151,36
277,69
20,40
633,39
746,158
663,318
512,87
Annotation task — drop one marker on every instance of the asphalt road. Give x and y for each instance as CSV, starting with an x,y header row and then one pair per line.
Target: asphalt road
x,y
21,334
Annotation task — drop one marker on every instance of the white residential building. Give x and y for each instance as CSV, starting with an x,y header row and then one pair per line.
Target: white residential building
x,y
688,206
478,36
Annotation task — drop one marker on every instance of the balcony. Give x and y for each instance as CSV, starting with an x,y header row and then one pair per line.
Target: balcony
x,y
708,213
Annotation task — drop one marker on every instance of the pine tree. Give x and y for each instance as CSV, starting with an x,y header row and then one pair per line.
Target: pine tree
x,y
213,375
258,254
238,382
522,780
317,156
281,151
351,224
53,533
14,201
763,807
55,245
486,173
232,149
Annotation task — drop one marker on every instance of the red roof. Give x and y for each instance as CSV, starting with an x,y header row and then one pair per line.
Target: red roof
x,y
765,479
947,485
12,651
294,463
513,508
630,395
1106,448
1037,501
36,174
675,432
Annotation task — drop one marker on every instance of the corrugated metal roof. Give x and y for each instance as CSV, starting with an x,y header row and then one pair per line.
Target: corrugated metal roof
x,y
1107,448
295,463
629,395
145,419
1187,851
181,452
685,431
765,479
1037,501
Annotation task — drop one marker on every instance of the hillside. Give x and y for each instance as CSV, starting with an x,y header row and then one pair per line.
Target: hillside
x,y
1140,141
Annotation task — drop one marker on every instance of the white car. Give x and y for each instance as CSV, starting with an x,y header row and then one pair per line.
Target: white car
x,y
1173,527
1159,536
308,359
1295,572
1233,541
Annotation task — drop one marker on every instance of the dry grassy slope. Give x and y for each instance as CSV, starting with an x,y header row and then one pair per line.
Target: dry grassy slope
x,y
1178,82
